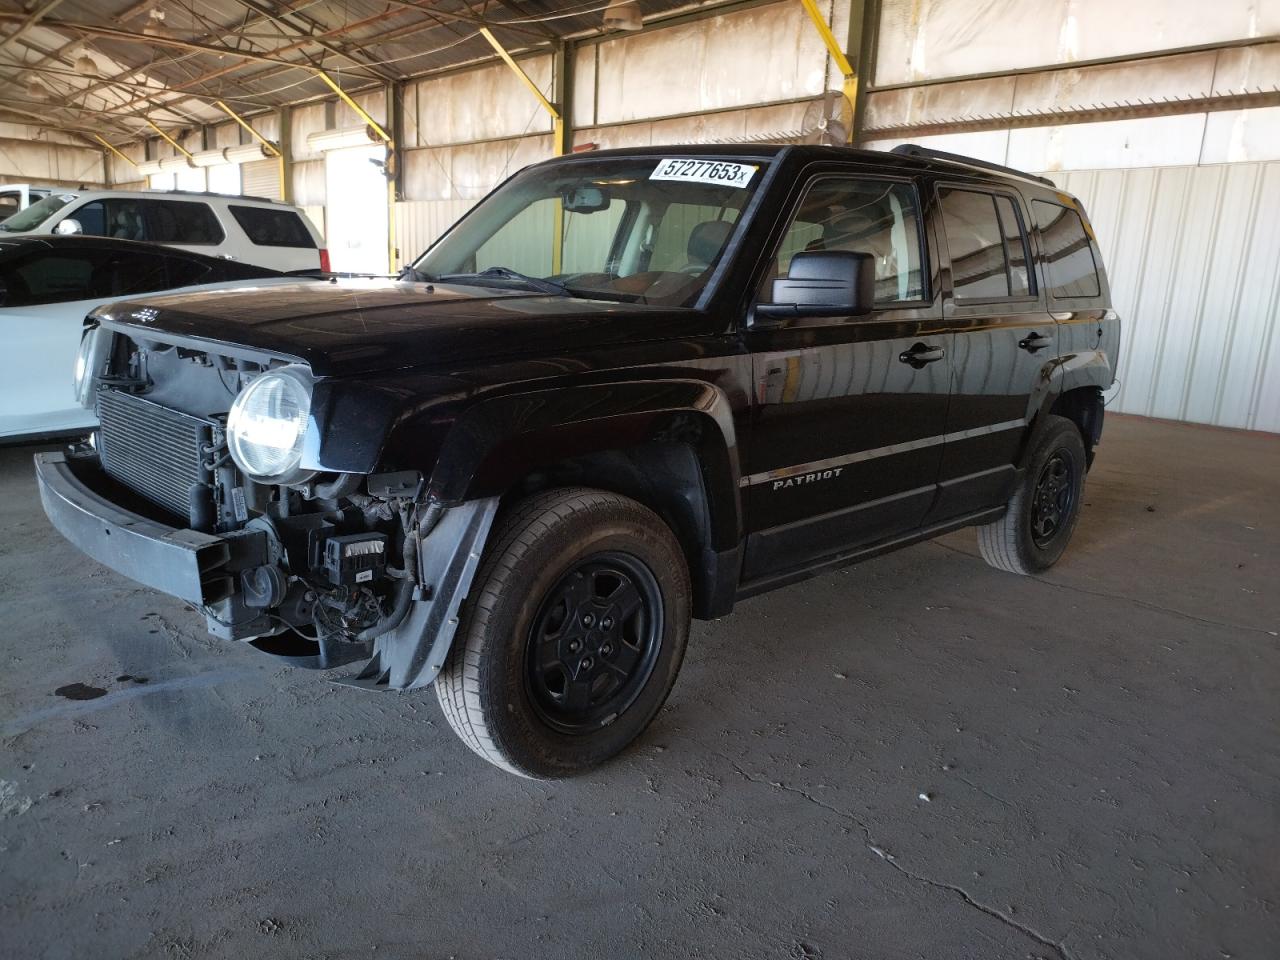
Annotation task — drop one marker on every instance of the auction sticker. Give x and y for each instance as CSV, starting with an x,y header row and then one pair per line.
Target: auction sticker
x,y
704,171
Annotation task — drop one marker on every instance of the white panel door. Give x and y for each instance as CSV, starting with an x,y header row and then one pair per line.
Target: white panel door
x,y
356,209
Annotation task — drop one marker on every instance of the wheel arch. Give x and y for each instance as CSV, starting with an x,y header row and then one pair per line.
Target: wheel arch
x,y
669,445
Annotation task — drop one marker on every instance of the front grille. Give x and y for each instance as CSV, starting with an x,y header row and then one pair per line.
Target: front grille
x,y
152,449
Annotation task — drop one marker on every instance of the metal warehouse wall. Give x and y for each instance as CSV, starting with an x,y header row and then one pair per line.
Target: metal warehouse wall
x,y
30,154
1191,253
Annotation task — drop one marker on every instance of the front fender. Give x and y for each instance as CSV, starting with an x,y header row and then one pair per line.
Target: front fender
x,y
497,442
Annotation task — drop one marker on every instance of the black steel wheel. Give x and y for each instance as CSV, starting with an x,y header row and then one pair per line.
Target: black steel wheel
x,y
1041,515
594,642
1053,499
572,636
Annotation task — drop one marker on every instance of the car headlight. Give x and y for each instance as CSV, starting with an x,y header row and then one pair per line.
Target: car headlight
x,y
83,358
268,423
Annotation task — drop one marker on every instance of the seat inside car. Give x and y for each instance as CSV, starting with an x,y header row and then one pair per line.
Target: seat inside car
x,y
127,225
706,240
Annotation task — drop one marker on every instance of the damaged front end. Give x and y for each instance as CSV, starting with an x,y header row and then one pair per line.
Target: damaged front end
x,y
203,481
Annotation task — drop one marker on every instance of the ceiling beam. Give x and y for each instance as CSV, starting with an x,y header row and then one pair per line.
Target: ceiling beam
x,y
130,36
470,18
311,37
229,31
280,66
34,17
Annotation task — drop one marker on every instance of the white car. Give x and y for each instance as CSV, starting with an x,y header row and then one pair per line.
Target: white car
x,y
47,287
247,229
19,196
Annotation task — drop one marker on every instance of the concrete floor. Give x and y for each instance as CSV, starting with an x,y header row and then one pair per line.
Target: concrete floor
x,y
1099,749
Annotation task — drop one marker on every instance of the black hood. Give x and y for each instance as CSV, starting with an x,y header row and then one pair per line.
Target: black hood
x,y
364,326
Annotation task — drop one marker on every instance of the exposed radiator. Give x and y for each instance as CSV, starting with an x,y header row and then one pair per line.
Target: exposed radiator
x,y
153,450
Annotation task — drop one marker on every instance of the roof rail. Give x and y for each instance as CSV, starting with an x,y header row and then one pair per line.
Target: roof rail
x,y
915,150
212,193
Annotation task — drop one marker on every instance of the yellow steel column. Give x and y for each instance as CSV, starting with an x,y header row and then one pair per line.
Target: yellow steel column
x,y
560,134
114,150
172,142
271,149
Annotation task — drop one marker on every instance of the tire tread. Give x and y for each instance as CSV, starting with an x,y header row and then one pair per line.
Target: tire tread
x,y
458,687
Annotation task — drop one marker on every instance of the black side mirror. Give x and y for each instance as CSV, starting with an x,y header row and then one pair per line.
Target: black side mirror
x,y
824,283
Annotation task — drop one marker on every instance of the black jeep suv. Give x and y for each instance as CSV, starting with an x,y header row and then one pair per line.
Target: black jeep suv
x,y
628,388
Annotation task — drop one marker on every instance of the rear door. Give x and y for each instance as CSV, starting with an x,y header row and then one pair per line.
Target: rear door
x,y
1005,344
849,412
186,224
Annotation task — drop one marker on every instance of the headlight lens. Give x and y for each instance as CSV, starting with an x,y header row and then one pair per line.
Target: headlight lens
x,y
87,340
268,422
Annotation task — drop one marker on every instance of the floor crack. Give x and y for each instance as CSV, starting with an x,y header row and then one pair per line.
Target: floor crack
x,y
1123,599
889,858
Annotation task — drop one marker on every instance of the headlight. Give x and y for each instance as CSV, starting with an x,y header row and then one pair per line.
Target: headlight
x,y
267,425
83,355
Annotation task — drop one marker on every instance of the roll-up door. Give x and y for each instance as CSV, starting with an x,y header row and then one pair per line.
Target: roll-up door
x,y
261,178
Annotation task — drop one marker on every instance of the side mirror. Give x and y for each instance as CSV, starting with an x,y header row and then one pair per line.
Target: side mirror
x,y
824,283
68,227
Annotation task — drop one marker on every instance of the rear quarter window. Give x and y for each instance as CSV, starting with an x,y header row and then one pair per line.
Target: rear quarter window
x,y
273,228
1068,254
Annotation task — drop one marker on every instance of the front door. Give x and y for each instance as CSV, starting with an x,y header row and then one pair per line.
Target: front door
x,y
1004,351
849,412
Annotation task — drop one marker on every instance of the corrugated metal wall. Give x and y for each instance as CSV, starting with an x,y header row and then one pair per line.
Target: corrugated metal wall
x,y
1192,254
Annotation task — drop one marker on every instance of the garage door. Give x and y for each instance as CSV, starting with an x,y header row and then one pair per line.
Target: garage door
x,y
261,179
356,209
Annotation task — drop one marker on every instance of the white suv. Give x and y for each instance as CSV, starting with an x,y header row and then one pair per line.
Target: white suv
x,y
248,229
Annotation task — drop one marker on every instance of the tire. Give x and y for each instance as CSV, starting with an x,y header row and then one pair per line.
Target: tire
x,y
515,688
1037,526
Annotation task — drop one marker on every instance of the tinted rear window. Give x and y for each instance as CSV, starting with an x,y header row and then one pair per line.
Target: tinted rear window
x,y
181,221
273,228
1068,254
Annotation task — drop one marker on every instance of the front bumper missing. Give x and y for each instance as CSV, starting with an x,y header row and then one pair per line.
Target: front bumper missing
x,y
411,655
204,569
182,563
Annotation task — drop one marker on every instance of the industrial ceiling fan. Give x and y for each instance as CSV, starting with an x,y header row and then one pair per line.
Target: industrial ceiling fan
x,y
827,120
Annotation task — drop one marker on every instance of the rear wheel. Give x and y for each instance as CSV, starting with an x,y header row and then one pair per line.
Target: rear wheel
x,y
1042,513
572,637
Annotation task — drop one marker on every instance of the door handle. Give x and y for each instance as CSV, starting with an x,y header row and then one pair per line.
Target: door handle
x,y
1034,342
920,354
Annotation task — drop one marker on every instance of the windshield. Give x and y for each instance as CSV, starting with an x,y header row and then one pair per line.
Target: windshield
x,y
37,213
646,230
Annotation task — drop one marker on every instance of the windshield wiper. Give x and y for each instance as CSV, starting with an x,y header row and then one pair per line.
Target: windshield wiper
x,y
506,273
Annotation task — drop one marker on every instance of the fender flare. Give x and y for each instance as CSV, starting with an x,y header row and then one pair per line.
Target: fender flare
x,y
497,442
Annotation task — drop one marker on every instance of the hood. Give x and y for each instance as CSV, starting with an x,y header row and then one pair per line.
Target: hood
x,y
363,326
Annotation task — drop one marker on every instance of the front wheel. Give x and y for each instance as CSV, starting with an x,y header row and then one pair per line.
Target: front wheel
x,y
573,634
1042,513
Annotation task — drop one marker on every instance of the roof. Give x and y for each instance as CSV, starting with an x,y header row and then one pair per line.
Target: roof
x,y
170,61
907,157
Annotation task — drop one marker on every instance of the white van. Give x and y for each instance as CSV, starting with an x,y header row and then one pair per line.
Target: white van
x,y
18,196
247,229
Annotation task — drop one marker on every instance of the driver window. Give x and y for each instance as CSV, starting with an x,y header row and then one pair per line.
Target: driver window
x,y
861,216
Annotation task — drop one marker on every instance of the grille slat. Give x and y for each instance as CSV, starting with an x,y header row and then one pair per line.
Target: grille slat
x,y
151,449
